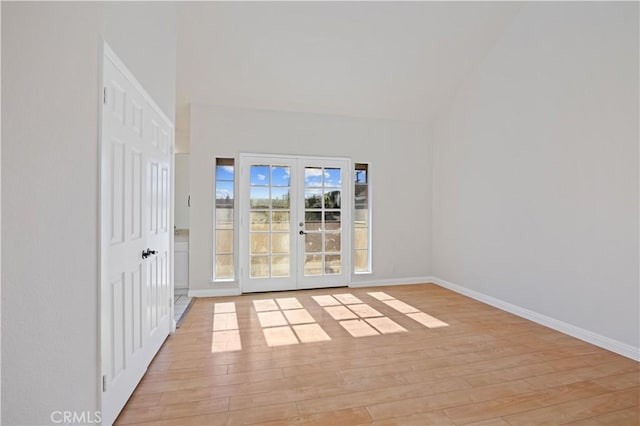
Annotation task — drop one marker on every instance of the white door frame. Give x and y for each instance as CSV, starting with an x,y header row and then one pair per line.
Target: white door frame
x,y
299,282
108,415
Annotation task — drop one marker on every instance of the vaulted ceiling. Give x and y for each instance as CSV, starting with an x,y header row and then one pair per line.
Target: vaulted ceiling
x,y
391,60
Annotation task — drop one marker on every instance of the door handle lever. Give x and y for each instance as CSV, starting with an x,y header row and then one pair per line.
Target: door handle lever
x,y
302,233
148,252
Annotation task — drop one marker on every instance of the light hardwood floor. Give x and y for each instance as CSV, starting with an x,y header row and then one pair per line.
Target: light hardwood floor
x,y
486,367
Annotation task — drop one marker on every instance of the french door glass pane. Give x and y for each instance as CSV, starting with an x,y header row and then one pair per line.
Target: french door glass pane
x,y
332,221
313,243
332,264
270,221
280,243
259,266
332,242
280,221
313,265
322,193
259,220
280,266
332,178
313,221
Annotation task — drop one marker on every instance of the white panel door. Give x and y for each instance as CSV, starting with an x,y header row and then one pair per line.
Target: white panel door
x,y
292,211
135,222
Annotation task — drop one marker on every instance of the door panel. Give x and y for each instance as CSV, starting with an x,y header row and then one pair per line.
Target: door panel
x,y
291,233
267,241
325,251
135,215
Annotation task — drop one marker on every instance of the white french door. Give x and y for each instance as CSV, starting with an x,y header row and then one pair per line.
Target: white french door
x,y
135,238
295,216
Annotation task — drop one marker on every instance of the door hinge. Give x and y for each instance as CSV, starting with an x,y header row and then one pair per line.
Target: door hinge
x,y
104,383
169,301
104,95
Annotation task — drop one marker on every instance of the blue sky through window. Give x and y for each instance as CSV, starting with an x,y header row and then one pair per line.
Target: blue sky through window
x,y
224,190
259,175
224,173
280,176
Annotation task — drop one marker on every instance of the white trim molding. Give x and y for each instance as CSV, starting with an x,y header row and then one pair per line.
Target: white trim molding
x,y
215,292
389,281
561,326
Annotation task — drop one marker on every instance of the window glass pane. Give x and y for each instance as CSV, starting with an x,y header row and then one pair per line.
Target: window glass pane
x,y
224,211
259,243
280,221
313,221
332,242
332,199
361,176
361,238
313,199
332,221
280,198
224,266
280,266
361,261
313,243
332,264
361,225
312,265
280,243
361,218
362,197
259,175
259,220
259,266
312,177
280,176
224,241
224,194
259,198
224,218
332,177
224,172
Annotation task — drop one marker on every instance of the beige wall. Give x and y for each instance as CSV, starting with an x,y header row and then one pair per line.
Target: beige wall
x,y
400,167
536,171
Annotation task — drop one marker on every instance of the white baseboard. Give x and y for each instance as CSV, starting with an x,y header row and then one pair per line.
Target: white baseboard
x,y
215,292
561,326
392,281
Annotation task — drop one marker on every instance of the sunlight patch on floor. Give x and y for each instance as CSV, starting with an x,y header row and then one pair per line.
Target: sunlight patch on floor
x,y
427,320
380,295
401,307
325,300
289,303
411,312
284,322
347,299
352,309
298,316
280,336
265,305
309,333
225,336
340,313
359,328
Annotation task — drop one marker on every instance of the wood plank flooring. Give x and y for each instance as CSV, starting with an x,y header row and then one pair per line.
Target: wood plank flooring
x,y
482,367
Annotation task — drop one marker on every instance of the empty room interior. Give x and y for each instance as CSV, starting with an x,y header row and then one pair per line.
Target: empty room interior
x,y
331,213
